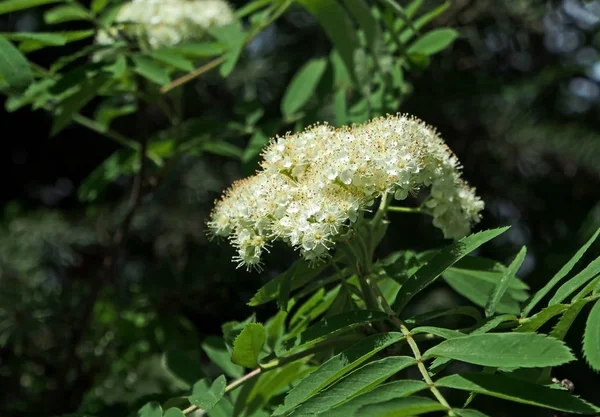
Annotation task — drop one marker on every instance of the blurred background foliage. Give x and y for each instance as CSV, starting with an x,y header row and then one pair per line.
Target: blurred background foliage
x,y
85,326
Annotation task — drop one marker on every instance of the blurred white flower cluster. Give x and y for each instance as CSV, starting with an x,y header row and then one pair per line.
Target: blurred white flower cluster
x,y
314,184
161,23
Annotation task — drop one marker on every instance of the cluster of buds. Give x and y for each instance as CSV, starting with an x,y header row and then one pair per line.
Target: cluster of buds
x,y
164,23
314,185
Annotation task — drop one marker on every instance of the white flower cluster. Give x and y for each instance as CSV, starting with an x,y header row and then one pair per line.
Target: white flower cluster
x,y
162,23
314,184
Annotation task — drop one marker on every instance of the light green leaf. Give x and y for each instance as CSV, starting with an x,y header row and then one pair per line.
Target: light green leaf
x,y
590,288
572,285
385,392
172,59
334,325
537,297
444,259
301,273
174,412
518,350
438,331
337,25
66,13
234,37
433,42
409,32
14,67
358,382
248,345
217,352
150,70
302,86
502,285
335,368
518,390
531,324
251,7
50,39
223,408
99,5
275,328
591,338
151,409
401,407
206,397
8,6
567,319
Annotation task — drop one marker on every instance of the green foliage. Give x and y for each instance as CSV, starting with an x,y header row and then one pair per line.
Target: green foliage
x,y
206,396
591,338
14,68
248,345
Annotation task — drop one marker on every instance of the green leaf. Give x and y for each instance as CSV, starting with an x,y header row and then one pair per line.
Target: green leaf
x,y
301,273
223,408
150,70
444,259
99,5
255,145
172,59
518,350
590,288
409,32
199,50
572,285
337,25
151,409
401,407
433,42
456,311
334,325
502,285
518,390
567,319
8,6
275,328
469,413
248,345
385,392
174,412
537,297
234,37
50,39
205,396
335,368
437,331
66,13
223,148
75,102
217,352
358,382
591,338
183,365
302,86
14,67
531,324
362,14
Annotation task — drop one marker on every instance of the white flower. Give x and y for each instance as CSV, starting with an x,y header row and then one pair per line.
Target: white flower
x,y
164,23
314,184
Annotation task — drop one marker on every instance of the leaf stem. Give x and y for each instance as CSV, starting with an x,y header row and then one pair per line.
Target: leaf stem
x,y
414,210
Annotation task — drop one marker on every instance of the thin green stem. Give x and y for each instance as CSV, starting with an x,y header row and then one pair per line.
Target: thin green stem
x,y
414,210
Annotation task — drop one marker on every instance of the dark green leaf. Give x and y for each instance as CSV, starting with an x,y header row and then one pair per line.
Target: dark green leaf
x,y
199,50
183,365
559,275
223,148
66,13
335,368
150,70
591,338
401,407
75,102
358,382
301,273
362,14
456,311
518,350
302,86
223,408
52,39
8,6
437,331
151,409
255,145
248,345
205,396
217,352
234,37
174,412
572,285
567,319
99,5
444,259
14,67
469,413
385,392
409,32
334,325
433,42
518,390
531,324
502,285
